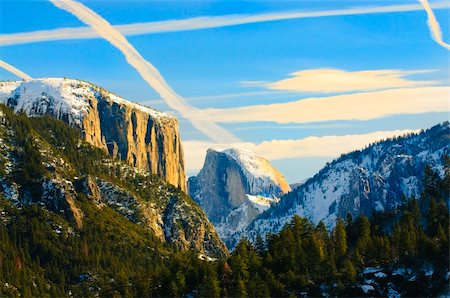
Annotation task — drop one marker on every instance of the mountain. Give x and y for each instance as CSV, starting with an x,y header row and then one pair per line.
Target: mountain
x,y
144,138
376,178
234,186
46,163
75,222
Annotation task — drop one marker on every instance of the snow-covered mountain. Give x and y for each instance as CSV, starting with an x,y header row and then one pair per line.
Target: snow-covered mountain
x,y
234,186
376,178
145,138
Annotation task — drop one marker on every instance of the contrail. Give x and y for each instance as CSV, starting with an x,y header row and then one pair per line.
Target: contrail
x,y
433,24
147,71
199,23
15,71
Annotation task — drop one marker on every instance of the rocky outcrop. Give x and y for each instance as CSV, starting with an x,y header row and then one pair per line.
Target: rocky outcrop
x,y
89,187
59,196
233,187
183,229
173,219
145,138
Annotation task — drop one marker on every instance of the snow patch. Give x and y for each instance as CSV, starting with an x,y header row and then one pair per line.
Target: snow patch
x,y
367,288
369,270
380,275
260,202
64,98
206,258
393,293
378,206
263,179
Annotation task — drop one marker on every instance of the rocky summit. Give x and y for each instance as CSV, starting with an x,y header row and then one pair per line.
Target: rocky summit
x,y
145,138
234,186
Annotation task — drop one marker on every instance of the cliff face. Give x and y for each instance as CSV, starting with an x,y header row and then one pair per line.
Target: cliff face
x,y
233,187
144,138
71,178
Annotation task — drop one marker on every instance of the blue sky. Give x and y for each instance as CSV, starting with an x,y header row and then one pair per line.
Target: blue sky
x,y
208,66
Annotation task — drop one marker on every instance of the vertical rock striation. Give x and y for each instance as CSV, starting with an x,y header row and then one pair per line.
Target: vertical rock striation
x,y
233,187
145,138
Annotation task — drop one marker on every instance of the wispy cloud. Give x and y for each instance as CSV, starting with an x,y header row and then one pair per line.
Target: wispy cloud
x,y
14,70
147,71
325,146
329,80
238,96
200,23
433,24
358,106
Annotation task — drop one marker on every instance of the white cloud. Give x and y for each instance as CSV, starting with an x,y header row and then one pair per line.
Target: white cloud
x,y
433,24
147,71
14,70
199,23
329,80
325,146
358,106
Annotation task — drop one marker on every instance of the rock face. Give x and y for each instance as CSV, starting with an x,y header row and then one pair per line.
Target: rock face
x,y
59,196
376,178
145,138
233,187
62,185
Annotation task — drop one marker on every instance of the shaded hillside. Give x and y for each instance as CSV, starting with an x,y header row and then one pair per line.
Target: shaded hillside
x,y
45,163
376,178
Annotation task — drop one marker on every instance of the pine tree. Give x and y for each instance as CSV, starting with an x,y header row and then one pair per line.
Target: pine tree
x,y
259,245
340,240
432,218
363,238
210,286
348,272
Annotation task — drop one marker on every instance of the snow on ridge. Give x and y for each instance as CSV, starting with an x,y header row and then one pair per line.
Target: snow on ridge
x,y
66,97
261,203
357,177
6,88
255,165
262,177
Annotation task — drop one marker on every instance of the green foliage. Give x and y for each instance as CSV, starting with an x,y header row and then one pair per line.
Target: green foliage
x,y
44,255
302,258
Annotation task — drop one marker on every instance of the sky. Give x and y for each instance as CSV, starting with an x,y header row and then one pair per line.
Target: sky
x,y
298,82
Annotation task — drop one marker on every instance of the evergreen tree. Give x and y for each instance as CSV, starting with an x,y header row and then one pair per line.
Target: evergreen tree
x,y
340,240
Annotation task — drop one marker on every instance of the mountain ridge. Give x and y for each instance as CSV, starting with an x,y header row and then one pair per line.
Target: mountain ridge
x,y
375,178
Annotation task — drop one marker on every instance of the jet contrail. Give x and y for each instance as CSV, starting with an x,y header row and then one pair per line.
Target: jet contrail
x,y
15,71
433,24
147,71
199,23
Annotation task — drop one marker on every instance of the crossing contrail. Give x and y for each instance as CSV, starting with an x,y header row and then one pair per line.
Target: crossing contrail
x,y
14,70
147,71
433,24
199,23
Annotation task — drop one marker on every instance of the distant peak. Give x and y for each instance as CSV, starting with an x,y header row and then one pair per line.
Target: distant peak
x,y
255,166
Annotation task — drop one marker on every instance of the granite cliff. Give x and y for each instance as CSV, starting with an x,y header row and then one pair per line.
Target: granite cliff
x,y
234,186
145,138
